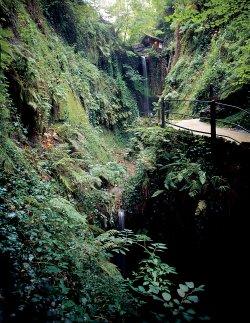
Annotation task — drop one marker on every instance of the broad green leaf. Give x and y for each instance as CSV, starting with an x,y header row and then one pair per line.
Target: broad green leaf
x,y
157,193
53,270
181,293
166,296
184,288
200,288
187,317
193,298
154,289
202,177
141,289
191,311
190,284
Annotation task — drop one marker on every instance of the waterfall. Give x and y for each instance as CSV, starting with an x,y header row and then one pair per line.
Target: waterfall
x,y
146,88
121,219
120,258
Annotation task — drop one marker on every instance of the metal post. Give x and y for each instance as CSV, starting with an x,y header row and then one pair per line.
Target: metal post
x,y
167,109
212,115
163,120
159,113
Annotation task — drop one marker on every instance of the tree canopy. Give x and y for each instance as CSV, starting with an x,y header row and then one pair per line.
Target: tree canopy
x,y
132,18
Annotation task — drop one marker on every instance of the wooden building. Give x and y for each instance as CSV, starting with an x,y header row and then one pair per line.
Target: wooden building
x,y
152,41
147,42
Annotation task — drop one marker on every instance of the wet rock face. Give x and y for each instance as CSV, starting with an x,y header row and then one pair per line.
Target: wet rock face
x,y
117,192
121,219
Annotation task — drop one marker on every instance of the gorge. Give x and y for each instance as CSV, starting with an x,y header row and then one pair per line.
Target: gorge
x,y
107,215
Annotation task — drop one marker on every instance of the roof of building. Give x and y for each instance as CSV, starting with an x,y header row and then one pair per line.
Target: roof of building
x,y
138,47
152,37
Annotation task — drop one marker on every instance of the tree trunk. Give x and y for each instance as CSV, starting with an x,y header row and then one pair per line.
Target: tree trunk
x,y
177,46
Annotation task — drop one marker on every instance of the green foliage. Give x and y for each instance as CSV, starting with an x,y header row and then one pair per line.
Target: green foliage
x,y
112,173
62,18
5,49
53,81
135,78
185,176
60,268
212,13
154,273
154,280
80,25
58,265
56,183
183,305
5,60
239,118
133,18
129,104
95,39
213,45
171,164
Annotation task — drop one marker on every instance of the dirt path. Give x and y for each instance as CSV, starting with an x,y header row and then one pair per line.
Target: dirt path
x,y
196,125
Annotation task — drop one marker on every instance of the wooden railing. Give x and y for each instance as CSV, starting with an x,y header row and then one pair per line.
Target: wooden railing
x,y
212,103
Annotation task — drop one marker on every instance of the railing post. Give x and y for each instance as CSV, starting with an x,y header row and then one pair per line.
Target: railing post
x,y
163,120
212,115
167,109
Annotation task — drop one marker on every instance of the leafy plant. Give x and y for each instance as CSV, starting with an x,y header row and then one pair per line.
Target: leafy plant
x,y
154,280
153,273
186,176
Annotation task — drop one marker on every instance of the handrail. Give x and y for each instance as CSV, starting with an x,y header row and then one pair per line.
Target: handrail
x,y
203,132
219,120
205,118
209,101
233,106
187,100
185,115
213,104
230,123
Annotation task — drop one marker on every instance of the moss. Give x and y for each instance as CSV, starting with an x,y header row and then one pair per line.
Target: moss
x,y
55,181
59,83
217,58
11,156
66,94
73,110
64,207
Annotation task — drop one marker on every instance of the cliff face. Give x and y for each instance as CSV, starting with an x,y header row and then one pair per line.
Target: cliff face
x,y
62,90
45,71
68,92
207,43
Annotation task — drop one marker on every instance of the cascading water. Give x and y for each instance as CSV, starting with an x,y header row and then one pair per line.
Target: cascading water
x,y
121,219
120,259
146,87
